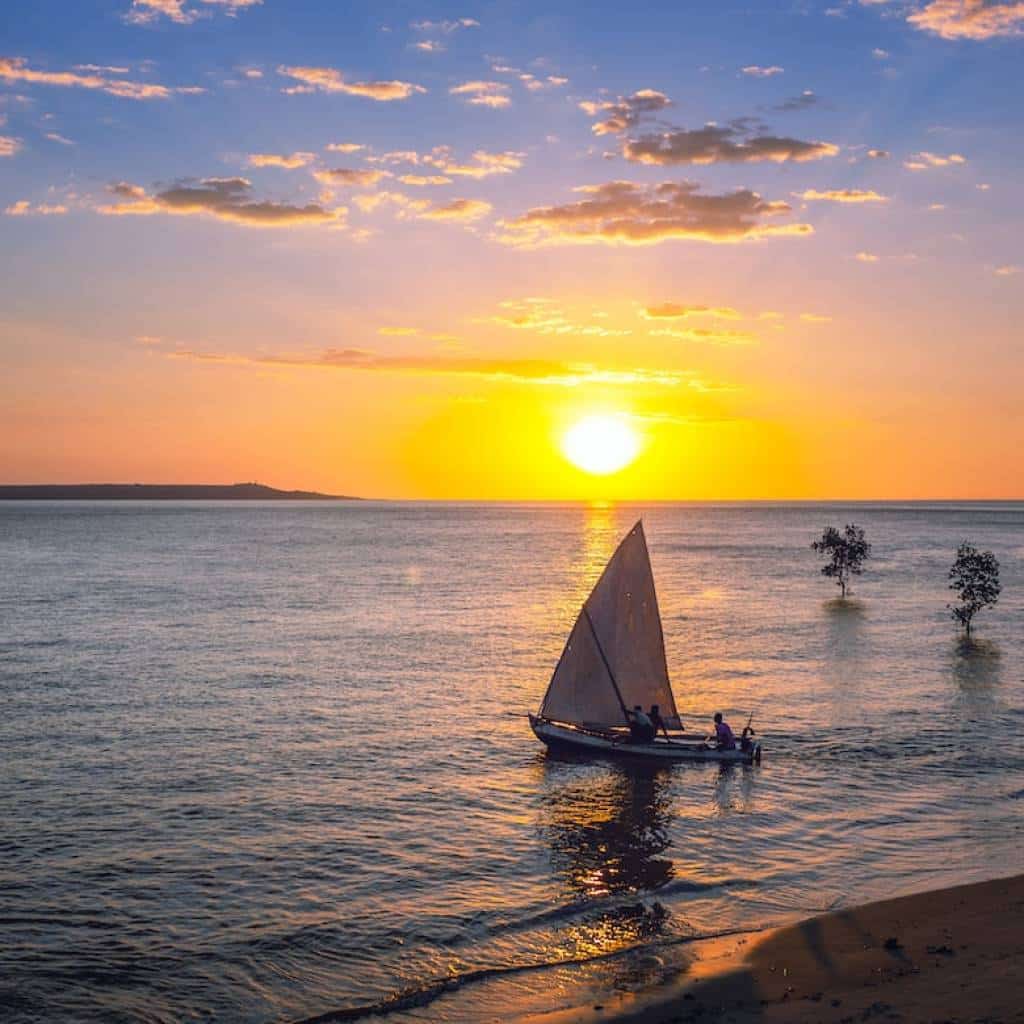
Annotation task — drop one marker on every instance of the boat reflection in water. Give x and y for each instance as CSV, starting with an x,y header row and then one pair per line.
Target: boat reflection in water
x,y
607,827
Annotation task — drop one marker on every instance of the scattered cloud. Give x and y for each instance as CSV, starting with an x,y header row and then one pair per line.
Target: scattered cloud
x,y
707,335
458,210
16,69
344,147
314,79
24,208
145,12
447,27
624,212
442,159
288,161
806,99
713,144
970,19
536,84
348,177
936,207
879,54
228,199
510,370
676,311
429,46
397,332
109,69
866,257
545,316
419,180
622,114
757,71
923,161
1008,270
9,145
843,195
815,318
879,154
483,93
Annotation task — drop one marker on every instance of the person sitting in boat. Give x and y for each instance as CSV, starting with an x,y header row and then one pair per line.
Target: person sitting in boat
x,y
657,721
724,738
641,729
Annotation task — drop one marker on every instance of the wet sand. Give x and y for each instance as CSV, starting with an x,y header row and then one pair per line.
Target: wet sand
x,y
951,955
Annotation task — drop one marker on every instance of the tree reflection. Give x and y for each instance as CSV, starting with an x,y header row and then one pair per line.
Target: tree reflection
x,y
976,663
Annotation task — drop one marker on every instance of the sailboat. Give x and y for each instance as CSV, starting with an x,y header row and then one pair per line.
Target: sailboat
x,y
613,661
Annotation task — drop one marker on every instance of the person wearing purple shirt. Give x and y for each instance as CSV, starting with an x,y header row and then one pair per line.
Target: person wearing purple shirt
x,y
724,738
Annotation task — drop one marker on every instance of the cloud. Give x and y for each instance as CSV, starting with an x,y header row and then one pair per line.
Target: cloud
x,y
624,212
103,68
535,84
458,210
866,257
815,318
24,208
429,46
879,54
332,80
347,177
761,72
145,12
398,331
16,69
57,137
625,112
545,316
9,145
482,93
1009,270
844,195
806,99
879,154
675,311
923,161
447,27
441,158
227,199
419,180
721,145
511,370
706,335
289,161
344,147
970,19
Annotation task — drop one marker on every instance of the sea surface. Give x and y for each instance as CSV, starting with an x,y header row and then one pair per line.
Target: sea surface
x,y
259,762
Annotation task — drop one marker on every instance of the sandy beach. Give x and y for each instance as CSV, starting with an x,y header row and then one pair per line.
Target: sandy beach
x,y
950,955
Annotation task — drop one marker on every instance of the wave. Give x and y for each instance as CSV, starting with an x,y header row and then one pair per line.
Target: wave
x,y
416,996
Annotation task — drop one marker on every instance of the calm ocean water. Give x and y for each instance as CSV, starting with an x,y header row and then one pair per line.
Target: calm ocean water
x,y
259,762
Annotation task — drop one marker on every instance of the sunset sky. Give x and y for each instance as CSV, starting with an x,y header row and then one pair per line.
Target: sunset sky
x,y
399,250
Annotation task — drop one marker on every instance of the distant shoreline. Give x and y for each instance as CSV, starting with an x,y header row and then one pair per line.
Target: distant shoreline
x,y
160,492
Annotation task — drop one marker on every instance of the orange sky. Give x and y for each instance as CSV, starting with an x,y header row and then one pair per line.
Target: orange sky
x,y
235,252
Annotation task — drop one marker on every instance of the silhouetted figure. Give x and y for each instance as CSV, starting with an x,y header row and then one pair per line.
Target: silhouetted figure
x,y
724,738
641,729
657,721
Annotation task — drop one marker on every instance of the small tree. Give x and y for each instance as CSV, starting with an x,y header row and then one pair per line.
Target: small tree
x,y
975,578
846,552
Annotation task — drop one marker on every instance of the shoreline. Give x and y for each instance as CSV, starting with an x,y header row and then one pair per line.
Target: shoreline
x,y
949,955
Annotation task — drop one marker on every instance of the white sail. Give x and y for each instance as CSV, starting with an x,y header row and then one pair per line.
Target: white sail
x,y
615,657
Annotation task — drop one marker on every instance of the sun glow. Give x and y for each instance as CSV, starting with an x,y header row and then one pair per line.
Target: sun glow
x,y
601,444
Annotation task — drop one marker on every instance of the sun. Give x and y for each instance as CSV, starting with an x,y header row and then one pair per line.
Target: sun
x,y
601,444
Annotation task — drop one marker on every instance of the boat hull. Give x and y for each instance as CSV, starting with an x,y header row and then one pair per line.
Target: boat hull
x,y
558,735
